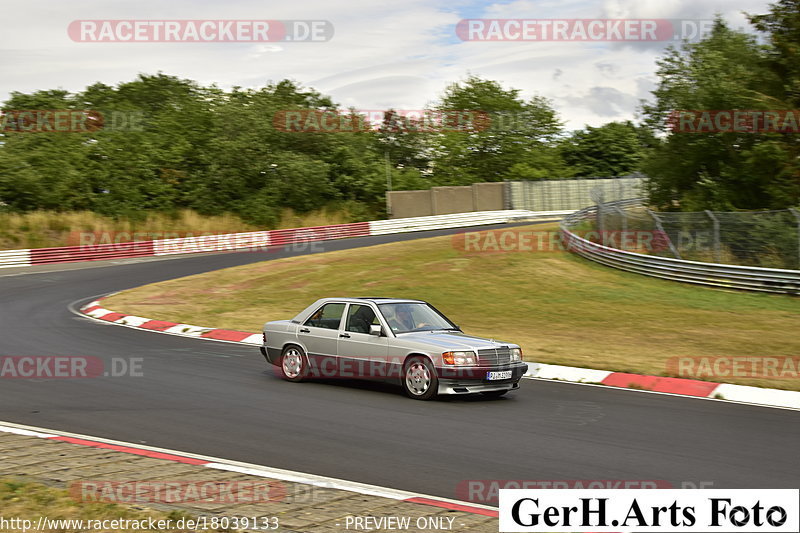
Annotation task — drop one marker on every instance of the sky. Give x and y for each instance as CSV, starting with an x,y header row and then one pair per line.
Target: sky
x,y
382,54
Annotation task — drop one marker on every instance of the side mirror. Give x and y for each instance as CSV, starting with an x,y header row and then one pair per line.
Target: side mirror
x,y
375,329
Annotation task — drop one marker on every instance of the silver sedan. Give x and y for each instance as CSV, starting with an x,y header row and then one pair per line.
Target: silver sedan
x,y
390,339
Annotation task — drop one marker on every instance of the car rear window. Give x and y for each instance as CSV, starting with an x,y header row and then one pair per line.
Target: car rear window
x,y
328,316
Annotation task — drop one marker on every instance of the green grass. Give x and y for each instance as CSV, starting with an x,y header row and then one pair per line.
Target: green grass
x,y
560,308
28,500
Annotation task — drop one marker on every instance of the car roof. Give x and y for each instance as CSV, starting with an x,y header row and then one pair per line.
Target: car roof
x,y
376,299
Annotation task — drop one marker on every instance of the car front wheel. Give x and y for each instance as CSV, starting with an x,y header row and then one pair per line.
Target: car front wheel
x,y
294,364
419,379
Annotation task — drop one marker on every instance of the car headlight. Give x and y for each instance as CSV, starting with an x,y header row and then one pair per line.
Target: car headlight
x,y
516,354
459,358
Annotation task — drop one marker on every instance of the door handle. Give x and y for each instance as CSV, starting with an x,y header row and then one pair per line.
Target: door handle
x,y
344,335
305,330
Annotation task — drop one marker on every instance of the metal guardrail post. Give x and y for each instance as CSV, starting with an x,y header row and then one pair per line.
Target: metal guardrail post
x,y
623,238
717,246
601,223
660,228
796,214
388,185
624,217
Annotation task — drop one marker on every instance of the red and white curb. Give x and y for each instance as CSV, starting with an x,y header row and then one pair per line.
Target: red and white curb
x,y
640,383
659,384
247,468
97,311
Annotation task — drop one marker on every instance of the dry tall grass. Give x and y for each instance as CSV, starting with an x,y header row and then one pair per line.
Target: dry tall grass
x,y
40,229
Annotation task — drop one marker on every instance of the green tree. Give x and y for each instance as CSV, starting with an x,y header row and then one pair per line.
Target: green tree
x,y
721,170
613,149
517,133
44,170
782,28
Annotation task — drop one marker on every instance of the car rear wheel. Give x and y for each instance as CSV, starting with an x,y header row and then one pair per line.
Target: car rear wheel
x,y
294,364
419,379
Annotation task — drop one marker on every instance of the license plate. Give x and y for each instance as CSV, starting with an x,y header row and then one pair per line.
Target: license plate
x,y
503,374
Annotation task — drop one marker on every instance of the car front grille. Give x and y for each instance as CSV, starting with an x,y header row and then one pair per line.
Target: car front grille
x,y
494,356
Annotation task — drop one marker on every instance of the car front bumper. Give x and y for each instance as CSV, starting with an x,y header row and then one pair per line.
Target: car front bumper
x,y
468,380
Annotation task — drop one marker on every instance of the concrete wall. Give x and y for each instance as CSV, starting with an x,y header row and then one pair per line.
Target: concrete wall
x,y
406,204
542,195
488,196
447,200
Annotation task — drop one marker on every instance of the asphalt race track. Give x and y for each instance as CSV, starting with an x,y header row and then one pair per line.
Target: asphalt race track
x,y
221,400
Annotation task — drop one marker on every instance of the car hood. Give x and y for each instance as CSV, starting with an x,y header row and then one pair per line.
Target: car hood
x,y
453,341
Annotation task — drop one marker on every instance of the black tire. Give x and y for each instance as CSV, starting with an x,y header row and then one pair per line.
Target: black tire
x,y
419,379
293,365
495,393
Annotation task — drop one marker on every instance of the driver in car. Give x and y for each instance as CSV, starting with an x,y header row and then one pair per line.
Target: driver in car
x,y
404,321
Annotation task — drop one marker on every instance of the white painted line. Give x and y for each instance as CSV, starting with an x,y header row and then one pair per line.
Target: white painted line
x,y
246,468
317,481
26,432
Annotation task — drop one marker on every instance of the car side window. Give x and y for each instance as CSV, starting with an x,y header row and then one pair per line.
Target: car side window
x,y
360,318
328,316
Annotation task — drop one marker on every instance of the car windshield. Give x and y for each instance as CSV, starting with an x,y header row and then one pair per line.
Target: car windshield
x,y
406,317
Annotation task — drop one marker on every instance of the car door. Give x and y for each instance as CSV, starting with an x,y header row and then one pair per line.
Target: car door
x,y
320,334
361,354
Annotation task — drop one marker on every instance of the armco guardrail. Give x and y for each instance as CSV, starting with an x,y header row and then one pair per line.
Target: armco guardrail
x,y
458,220
712,274
261,239
70,254
12,258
